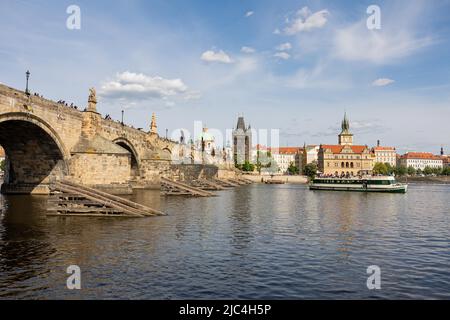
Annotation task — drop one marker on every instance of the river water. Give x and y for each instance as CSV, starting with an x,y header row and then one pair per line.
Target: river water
x,y
257,241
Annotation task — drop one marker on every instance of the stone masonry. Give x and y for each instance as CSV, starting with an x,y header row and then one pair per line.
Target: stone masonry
x,y
45,141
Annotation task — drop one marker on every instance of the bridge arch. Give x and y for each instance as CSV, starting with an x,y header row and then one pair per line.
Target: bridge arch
x,y
135,159
34,150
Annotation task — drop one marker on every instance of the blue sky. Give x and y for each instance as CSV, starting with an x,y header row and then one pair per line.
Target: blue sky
x,y
289,65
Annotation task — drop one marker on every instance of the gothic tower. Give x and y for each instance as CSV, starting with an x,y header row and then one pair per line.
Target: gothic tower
x,y
242,142
345,137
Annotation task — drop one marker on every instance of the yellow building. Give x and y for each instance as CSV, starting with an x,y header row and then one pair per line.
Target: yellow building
x,y
345,158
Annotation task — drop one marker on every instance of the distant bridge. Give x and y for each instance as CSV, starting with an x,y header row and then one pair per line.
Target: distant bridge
x,y
45,141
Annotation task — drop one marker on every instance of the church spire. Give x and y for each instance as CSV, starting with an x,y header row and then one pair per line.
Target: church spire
x,y
345,124
345,138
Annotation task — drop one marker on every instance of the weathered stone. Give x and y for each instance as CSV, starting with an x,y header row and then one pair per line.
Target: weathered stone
x,y
44,140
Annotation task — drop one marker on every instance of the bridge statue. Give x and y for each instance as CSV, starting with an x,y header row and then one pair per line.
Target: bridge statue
x,y
92,100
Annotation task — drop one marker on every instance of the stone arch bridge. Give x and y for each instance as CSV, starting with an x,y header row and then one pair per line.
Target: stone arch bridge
x,y
44,141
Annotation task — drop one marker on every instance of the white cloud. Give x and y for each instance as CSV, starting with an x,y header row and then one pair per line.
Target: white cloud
x,y
357,43
247,49
304,12
138,86
249,13
304,20
276,31
219,56
382,82
282,55
320,76
284,47
192,95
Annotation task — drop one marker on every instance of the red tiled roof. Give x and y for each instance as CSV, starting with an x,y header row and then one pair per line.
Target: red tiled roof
x,y
261,147
2,153
286,150
384,149
420,155
289,150
336,148
280,150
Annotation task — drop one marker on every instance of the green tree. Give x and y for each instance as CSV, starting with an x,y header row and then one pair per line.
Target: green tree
x,y
264,160
401,171
390,169
310,170
411,171
293,169
427,171
248,167
446,171
380,168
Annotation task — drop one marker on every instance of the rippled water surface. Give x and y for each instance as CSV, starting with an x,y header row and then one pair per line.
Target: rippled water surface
x,y
258,241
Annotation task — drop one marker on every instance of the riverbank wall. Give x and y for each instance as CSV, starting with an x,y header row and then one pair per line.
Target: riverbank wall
x,y
438,179
284,178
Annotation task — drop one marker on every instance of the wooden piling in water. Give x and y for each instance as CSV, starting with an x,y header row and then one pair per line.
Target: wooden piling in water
x,y
70,199
171,187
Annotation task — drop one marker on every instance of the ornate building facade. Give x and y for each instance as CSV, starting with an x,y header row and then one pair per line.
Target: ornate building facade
x,y
345,158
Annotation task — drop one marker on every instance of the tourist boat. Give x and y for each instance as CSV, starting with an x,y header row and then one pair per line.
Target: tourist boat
x,y
363,184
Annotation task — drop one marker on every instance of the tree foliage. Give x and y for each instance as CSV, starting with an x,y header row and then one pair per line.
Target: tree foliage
x,y
446,171
411,171
383,168
293,169
248,167
266,163
310,170
400,171
380,168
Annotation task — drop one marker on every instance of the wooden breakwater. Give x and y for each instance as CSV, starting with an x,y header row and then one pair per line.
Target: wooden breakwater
x,y
199,187
70,199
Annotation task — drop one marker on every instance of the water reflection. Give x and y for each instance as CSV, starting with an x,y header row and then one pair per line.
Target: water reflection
x,y
258,241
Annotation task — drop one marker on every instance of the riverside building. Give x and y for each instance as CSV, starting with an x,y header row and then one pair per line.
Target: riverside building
x,y
421,160
345,158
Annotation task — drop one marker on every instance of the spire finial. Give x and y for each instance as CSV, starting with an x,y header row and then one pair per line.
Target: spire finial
x,y
345,123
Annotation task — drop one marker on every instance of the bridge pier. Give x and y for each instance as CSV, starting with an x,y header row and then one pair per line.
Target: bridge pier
x,y
47,141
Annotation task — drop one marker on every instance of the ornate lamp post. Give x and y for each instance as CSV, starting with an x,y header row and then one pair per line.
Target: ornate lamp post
x,y
122,117
28,77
